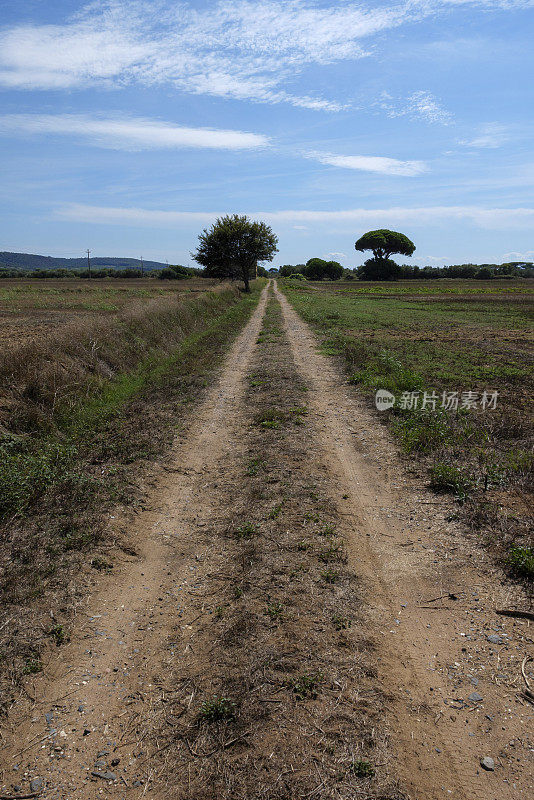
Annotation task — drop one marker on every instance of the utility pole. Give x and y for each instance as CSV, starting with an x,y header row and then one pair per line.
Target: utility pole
x,y
142,267
89,262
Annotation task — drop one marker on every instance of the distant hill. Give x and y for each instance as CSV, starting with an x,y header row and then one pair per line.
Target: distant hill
x,y
31,261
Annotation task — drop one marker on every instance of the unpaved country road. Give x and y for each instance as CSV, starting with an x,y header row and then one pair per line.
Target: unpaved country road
x,y
85,710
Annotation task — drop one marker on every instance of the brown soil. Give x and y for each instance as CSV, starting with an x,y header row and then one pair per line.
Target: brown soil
x,y
340,533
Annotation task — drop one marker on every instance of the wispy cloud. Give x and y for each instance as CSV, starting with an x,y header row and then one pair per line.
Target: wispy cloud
x,y
234,48
502,218
491,135
380,164
130,133
245,49
419,105
527,255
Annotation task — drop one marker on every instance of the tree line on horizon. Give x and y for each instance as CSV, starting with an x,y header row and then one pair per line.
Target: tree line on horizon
x,y
234,247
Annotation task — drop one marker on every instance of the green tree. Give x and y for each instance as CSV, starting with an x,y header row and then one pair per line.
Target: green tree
x,y
317,269
233,246
383,243
383,269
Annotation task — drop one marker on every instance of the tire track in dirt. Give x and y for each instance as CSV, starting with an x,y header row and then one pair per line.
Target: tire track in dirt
x,y
72,730
433,655
276,697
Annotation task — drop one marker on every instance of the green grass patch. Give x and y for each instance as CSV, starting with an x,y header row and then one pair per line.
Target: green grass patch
x,y
520,561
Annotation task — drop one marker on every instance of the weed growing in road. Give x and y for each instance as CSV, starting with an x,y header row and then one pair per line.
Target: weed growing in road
x,y
275,611
32,666
274,513
327,530
270,418
306,686
255,465
246,531
330,575
101,564
340,623
59,634
330,553
217,708
362,769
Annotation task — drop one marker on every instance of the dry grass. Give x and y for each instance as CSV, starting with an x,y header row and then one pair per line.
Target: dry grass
x,y
42,377
37,309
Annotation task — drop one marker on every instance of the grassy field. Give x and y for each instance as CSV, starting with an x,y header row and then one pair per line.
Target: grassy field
x,y
30,309
453,337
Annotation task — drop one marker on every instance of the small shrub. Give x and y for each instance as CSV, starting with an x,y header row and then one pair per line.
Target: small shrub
x,y
275,611
246,531
32,666
362,769
340,623
520,561
306,686
274,513
217,708
101,564
59,634
328,553
330,575
271,418
451,480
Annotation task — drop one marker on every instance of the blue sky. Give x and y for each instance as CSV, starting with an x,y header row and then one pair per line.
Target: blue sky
x,y
128,126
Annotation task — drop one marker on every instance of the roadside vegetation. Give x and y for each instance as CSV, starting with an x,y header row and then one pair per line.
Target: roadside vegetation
x,y
79,413
448,338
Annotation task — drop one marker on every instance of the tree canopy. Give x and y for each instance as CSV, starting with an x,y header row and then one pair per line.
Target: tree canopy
x,y
384,243
317,269
233,246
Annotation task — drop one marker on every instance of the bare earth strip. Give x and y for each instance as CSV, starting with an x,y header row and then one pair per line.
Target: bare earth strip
x,y
242,588
436,652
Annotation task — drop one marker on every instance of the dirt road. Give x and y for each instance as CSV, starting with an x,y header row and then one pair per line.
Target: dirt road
x,y
300,620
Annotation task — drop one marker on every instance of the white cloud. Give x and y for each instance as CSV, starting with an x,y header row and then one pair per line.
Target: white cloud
x,y
380,164
491,135
528,255
492,218
246,49
130,133
233,48
421,104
